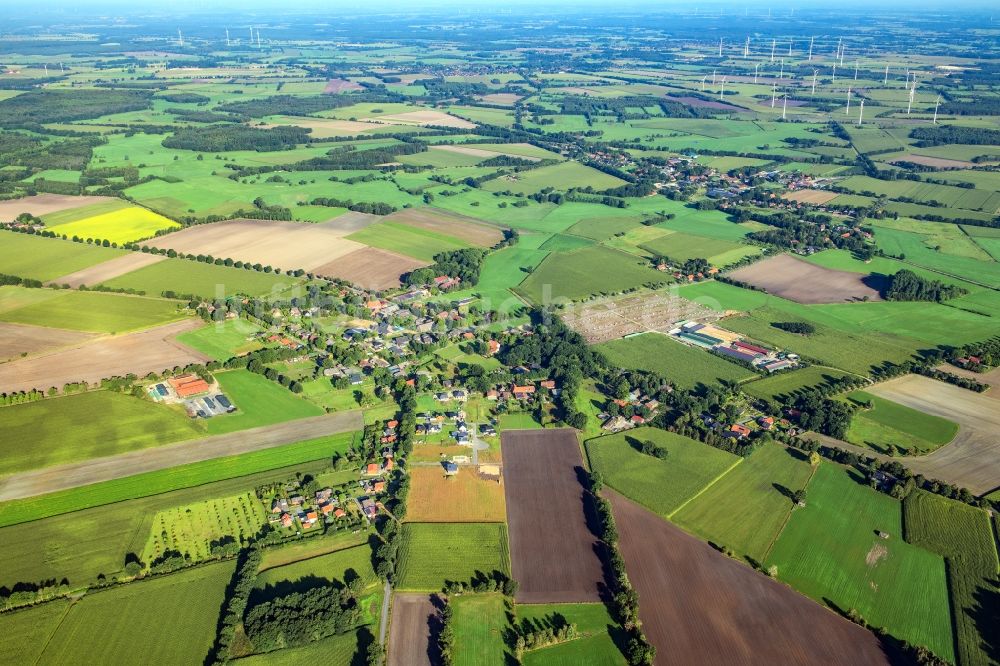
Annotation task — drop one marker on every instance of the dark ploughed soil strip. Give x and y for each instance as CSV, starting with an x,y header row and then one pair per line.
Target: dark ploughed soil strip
x,y
699,606
553,552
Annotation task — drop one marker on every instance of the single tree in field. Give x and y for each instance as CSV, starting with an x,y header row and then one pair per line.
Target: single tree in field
x,y
814,459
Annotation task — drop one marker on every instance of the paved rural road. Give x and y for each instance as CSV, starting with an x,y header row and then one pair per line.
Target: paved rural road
x,y
73,475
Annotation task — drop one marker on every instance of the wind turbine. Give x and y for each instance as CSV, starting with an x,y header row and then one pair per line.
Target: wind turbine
x,y
755,68
789,49
909,104
811,39
774,93
720,47
258,37
722,90
781,74
840,41
856,63
46,70
814,82
936,105
834,72
713,77
885,81
773,44
746,48
227,36
703,82
784,106
180,38
848,110
861,112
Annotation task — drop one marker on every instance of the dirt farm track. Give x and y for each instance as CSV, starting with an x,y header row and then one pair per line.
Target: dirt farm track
x,y
699,606
74,475
552,550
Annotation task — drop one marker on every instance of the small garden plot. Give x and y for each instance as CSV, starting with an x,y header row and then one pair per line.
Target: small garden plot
x,y
962,534
194,530
682,365
572,275
661,484
460,498
562,177
831,550
747,508
44,259
120,226
888,424
680,247
787,384
431,554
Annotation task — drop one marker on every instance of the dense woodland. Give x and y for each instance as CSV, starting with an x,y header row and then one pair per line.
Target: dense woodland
x,y
906,285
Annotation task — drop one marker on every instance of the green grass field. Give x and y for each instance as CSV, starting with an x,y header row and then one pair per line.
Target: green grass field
x,y
962,534
223,340
27,632
190,475
685,366
183,276
120,226
680,247
348,648
480,623
190,529
347,563
430,554
166,620
662,485
83,426
746,510
790,382
89,311
560,176
410,241
594,624
830,550
47,258
571,275
259,402
891,423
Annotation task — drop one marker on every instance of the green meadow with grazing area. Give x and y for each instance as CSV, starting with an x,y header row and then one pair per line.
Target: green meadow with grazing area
x,y
89,311
258,401
661,484
785,384
83,426
680,364
747,508
223,340
596,641
480,625
44,259
831,550
572,275
889,424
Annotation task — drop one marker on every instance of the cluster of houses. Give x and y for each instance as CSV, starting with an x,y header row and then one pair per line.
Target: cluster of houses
x,y
307,512
199,398
728,344
632,411
524,390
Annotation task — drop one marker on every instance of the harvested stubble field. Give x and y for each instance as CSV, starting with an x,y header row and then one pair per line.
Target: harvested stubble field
x,y
370,268
21,339
280,244
422,118
553,552
810,196
413,616
610,319
972,459
152,350
108,270
697,605
803,282
470,230
43,204
462,498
